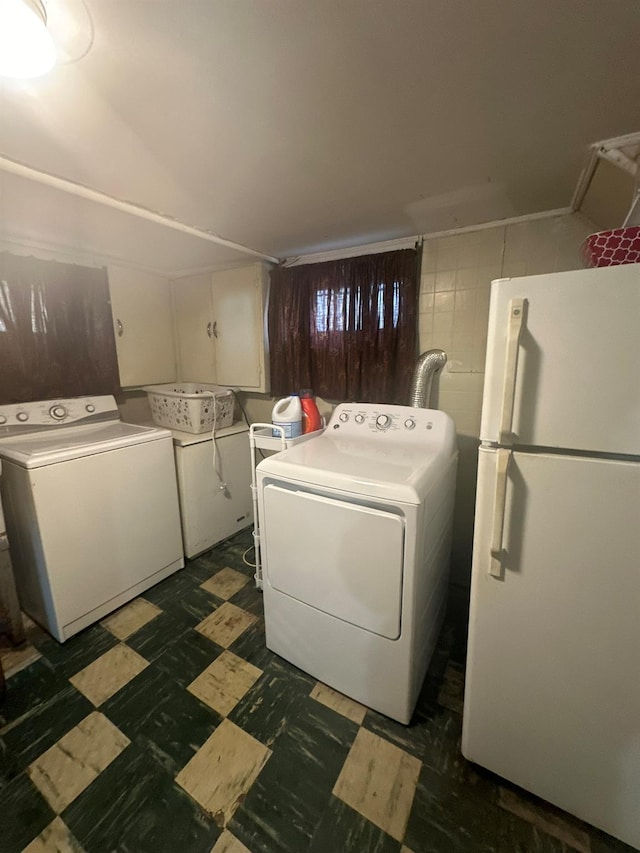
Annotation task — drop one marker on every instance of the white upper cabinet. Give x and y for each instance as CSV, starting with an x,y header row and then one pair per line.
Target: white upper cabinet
x,y
143,325
220,328
239,299
194,328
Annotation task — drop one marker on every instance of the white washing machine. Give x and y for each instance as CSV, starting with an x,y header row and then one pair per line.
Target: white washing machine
x,y
355,531
91,508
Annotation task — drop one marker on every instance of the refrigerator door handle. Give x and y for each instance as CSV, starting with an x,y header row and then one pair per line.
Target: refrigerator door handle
x,y
500,498
516,315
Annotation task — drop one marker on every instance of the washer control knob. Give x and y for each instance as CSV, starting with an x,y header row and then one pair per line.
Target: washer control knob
x,y
22,417
383,421
410,423
58,412
344,417
359,419
3,419
90,407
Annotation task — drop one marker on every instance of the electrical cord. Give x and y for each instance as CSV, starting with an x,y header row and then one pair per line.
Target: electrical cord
x,y
219,473
214,443
241,407
244,557
248,423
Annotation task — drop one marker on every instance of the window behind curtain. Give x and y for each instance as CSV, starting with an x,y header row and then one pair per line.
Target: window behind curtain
x,y
56,331
346,328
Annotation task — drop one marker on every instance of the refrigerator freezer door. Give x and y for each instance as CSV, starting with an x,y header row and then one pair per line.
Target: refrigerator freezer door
x,y
552,696
576,381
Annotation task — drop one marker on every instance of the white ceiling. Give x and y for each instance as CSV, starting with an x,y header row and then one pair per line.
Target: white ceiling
x,y
293,126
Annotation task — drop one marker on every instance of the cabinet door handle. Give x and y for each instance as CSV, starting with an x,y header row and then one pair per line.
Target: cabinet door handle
x,y
215,329
119,327
209,330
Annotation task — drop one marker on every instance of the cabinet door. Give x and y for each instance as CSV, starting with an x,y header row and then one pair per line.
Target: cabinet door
x,y
239,297
141,309
194,328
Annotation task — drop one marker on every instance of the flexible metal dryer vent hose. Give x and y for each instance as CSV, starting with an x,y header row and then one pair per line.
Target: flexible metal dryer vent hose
x,y
429,364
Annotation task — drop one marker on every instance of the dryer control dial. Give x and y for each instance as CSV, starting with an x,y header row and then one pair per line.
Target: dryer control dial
x,y
359,419
3,419
410,423
58,412
383,421
344,417
22,417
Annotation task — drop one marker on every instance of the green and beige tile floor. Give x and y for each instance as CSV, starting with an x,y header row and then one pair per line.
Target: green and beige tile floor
x,y
170,727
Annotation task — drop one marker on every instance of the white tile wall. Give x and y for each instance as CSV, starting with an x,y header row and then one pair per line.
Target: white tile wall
x,y
457,271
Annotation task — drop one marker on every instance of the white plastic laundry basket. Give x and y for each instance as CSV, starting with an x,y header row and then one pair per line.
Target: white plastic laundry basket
x,y
190,406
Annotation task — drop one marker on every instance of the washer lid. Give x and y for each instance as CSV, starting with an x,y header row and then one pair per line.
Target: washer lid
x,y
364,466
46,448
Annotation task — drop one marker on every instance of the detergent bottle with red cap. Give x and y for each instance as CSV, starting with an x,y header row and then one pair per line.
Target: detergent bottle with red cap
x,y
311,420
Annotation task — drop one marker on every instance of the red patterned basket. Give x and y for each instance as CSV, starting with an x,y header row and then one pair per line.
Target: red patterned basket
x,y
609,248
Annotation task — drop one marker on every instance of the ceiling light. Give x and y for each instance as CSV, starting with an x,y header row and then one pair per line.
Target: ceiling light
x,y
26,48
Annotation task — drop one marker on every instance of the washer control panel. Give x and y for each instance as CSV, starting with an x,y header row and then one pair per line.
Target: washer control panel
x,y
49,414
366,419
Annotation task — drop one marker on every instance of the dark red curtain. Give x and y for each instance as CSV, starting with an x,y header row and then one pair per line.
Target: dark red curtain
x,y
346,328
56,331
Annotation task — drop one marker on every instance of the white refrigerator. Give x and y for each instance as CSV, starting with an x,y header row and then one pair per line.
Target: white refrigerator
x,y
552,694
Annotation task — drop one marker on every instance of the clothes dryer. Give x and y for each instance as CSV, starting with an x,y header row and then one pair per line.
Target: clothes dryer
x,y
355,542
